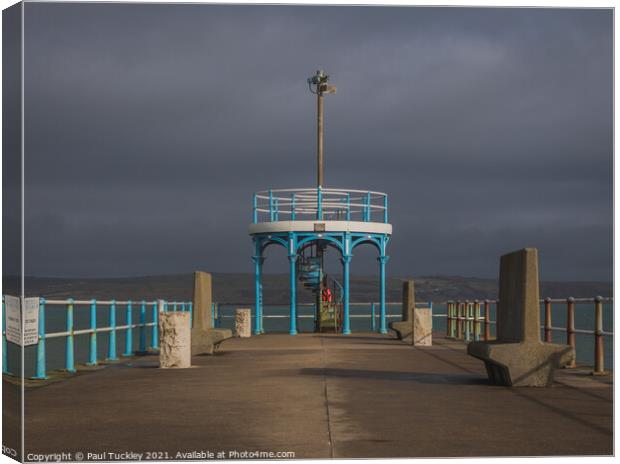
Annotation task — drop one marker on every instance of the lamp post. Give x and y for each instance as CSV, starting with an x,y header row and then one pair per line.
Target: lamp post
x,y
318,86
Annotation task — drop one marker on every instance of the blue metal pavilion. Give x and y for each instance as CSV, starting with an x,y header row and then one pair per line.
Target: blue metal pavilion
x,y
299,218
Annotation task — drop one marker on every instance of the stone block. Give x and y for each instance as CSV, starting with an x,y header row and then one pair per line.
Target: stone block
x,y
412,329
205,339
518,357
422,326
174,340
202,301
243,322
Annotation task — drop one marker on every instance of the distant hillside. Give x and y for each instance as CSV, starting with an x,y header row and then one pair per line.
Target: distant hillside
x,y
239,288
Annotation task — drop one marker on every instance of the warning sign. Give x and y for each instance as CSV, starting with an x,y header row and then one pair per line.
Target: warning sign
x,y
13,320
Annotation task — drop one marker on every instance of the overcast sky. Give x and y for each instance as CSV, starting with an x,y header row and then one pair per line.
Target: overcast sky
x,y
148,128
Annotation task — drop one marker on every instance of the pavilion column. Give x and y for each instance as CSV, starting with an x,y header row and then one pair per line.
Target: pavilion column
x,y
258,288
293,315
383,325
346,323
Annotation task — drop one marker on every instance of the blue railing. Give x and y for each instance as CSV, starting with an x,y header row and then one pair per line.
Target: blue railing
x,y
319,203
148,318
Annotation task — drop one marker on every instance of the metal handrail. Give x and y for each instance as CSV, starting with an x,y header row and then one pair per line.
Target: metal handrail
x,y
319,203
93,305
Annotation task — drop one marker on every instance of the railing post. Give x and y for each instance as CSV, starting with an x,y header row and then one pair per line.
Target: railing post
x,y
254,209
367,207
447,319
142,330
112,334
548,334
41,368
293,208
270,206
348,206
92,350
182,306
154,328
128,331
174,306
457,311
373,321
5,356
570,326
319,203
487,320
213,315
467,321
69,352
385,208
476,310
191,314
599,352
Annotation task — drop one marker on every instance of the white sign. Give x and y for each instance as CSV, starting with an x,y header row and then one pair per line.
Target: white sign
x,y
31,320
13,320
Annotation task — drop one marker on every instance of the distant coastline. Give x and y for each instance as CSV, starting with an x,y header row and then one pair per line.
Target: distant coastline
x,y
239,288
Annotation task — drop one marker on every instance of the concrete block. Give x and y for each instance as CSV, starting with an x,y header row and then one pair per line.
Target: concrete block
x,y
518,357
405,328
243,322
422,326
205,339
174,340
202,301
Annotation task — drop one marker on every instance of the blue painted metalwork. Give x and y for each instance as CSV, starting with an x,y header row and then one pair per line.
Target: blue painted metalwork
x,y
41,367
191,314
346,319
254,210
5,356
174,306
92,350
69,352
154,328
258,264
128,331
385,209
319,204
373,320
142,343
383,319
112,334
212,315
293,282
348,206
270,206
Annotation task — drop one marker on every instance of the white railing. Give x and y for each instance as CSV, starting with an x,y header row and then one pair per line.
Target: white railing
x,y
320,203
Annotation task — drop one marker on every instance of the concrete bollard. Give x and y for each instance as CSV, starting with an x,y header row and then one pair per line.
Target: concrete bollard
x,y
243,322
175,343
422,326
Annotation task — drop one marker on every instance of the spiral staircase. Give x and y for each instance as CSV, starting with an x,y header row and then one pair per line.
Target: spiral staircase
x,y
329,316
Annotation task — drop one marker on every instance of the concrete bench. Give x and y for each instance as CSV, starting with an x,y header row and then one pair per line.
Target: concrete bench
x,y
416,327
518,357
205,339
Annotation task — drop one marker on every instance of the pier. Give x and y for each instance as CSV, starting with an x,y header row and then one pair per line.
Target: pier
x,y
317,396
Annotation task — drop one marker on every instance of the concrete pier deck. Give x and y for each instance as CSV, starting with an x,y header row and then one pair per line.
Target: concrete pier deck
x,y
320,396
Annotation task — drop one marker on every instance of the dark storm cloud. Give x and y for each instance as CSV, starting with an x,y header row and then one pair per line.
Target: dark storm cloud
x,y
148,128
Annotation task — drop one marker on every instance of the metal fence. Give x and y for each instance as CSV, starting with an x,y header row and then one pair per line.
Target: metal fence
x,y
470,320
111,329
319,203
466,320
